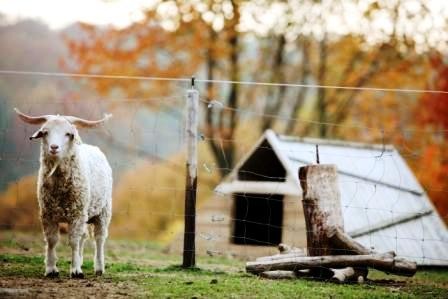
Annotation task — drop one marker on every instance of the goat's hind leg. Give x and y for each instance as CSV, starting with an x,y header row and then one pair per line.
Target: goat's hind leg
x,y
101,232
51,234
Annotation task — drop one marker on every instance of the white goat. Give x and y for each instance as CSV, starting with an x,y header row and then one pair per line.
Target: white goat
x,y
74,186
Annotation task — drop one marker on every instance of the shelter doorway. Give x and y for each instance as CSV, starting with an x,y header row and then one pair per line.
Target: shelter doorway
x,y
257,219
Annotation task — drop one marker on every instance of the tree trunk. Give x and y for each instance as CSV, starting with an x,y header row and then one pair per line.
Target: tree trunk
x,y
220,125
274,103
304,73
209,130
321,100
229,118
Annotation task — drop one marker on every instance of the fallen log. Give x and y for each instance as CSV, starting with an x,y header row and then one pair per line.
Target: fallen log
x,y
285,251
278,274
339,275
342,275
384,262
276,257
350,274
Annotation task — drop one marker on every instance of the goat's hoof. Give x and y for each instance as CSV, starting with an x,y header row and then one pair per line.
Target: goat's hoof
x,y
77,275
52,274
99,272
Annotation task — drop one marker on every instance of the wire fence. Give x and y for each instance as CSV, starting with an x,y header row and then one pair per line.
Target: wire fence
x,y
257,205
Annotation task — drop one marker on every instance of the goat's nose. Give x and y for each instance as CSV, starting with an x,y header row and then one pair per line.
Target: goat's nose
x,y
54,146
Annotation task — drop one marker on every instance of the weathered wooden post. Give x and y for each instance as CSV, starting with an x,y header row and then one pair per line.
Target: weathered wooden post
x,y
189,255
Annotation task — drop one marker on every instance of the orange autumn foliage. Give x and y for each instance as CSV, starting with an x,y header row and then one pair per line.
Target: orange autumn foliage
x,y
18,206
433,114
435,105
434,176
144,48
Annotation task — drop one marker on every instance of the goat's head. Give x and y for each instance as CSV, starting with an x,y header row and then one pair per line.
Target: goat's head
x,y
58,132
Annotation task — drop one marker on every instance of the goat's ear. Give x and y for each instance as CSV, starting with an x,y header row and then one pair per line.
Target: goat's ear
x,y
38,134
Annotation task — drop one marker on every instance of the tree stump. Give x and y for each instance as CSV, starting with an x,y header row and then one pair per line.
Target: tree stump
x,y
332,254
321,207
323,217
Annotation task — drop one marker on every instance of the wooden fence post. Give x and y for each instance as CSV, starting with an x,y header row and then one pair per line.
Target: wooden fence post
x,y
189,254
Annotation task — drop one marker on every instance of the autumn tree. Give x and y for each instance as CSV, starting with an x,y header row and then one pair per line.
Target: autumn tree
x,y
294,41
357,56
176,39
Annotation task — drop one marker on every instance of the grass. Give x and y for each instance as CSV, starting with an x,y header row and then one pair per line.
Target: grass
x,y
150,273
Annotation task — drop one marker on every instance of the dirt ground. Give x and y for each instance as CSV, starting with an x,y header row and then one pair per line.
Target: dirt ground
x,y
31,245
62,288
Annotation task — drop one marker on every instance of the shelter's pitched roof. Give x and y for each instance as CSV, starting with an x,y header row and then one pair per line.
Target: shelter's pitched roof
x,y
384,205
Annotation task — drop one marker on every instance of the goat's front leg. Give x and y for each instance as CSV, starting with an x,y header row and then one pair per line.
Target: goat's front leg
x,y
84,237
76,232
51,234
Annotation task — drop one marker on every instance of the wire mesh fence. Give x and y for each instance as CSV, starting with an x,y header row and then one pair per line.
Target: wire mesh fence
x,y
248,193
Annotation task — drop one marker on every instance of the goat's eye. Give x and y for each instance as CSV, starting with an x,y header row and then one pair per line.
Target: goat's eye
x,y
44,133
69,135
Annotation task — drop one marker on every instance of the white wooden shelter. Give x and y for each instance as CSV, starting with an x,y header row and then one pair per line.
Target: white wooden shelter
x,y
258,205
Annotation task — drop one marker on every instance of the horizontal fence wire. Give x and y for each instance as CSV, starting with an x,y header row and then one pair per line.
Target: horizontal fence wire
x,y
188,80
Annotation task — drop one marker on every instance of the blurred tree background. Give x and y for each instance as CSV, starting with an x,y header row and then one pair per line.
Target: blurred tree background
x,y
360,43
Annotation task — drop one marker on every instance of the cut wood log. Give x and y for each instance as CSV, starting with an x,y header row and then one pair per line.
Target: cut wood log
x,y
384,262
339,275
281,256
285,274
278,274
350,274
342,275
285,251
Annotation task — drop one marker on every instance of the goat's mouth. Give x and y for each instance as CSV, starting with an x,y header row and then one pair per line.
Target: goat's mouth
x,y
54,152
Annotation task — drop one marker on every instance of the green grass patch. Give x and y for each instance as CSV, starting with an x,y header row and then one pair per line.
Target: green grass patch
x,y
173,281
157,275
